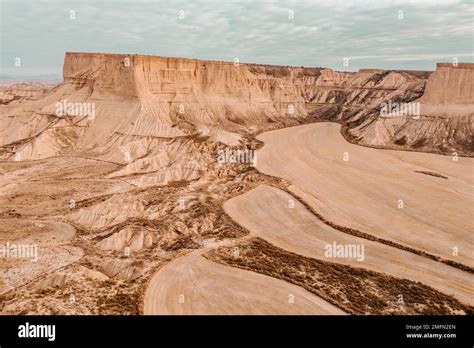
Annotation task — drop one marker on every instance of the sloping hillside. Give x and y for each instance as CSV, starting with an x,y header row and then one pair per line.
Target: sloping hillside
x,y
140,101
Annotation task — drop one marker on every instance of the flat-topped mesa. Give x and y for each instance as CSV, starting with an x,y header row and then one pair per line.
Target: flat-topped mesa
x,y
115,70
190,93
139,100
208,91
450,90
100,66
90,65
170,62
101,71
161,76
258,88
455,65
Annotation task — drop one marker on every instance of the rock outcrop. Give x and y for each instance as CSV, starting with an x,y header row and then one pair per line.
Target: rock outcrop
x,y
115,171
444,123
134,103
451,85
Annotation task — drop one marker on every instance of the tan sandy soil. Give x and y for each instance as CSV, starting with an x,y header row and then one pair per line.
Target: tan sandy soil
x,y
11,91
364,192
354,290
47,248
265,212
211,288
143,178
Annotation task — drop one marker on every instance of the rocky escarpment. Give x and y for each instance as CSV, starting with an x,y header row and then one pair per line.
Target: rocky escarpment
x,y
124,152
141,101
451,85
443,124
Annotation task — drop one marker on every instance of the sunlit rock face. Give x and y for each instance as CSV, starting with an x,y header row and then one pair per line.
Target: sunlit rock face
x,y
143,99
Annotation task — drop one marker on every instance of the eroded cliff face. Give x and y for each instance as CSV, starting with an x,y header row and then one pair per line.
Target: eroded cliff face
x,y
114,171
451,85
141,101
449,91
445,122
240,95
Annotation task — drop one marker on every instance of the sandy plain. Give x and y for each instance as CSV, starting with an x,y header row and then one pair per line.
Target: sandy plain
x,y
361,193
194,285
380,192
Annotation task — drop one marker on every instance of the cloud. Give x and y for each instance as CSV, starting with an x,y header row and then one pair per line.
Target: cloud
x,y
288,32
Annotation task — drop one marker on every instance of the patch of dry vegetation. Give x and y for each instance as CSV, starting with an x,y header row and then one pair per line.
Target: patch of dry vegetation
x,y
82,292
175,230
360,234
354,290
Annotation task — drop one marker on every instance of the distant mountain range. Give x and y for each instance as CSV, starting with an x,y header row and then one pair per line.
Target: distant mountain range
x,y
47,77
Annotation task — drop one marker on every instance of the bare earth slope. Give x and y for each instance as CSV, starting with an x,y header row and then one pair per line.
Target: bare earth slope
x,y
266,212
364,192
192,285
142,101
135,183
445,122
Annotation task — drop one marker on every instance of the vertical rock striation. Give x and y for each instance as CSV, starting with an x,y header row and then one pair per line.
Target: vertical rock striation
x,y
144,100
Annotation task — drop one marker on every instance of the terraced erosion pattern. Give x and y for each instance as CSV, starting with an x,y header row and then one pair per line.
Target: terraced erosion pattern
x,y
123,190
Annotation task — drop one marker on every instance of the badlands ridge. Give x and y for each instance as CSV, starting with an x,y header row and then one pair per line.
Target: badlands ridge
x,y
132,211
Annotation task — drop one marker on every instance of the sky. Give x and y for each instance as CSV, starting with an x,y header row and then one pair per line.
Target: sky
x,y
343,35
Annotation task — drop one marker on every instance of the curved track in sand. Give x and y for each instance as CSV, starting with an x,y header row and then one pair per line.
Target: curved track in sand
x,y
266,213
193,285
364,192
